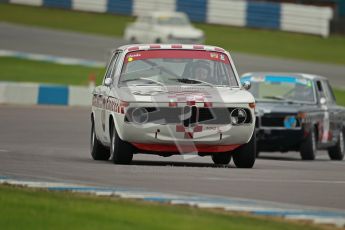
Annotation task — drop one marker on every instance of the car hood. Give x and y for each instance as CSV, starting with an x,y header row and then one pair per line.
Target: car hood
x,y
181,31
282,107
147,94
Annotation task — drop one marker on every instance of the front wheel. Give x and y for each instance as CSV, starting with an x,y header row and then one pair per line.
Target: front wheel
x,y
121,151
308,147
337,152
221,158
98,151
244,156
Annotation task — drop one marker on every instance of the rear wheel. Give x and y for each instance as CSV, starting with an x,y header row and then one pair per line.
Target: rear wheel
x,y
98,151
308,148
244,156
121,151
221,158
337,152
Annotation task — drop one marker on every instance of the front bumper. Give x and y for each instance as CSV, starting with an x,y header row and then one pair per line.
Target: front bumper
x,y
279,139
177,138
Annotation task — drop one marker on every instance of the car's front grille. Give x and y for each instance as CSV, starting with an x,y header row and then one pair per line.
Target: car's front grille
x,y
176,115
275,121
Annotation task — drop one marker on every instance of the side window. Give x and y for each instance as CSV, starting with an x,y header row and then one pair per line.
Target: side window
x,y
320,90
116,64
319,87
110,68
328,92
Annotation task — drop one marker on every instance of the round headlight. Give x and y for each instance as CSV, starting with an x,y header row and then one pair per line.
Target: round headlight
x,y
140,115
238,116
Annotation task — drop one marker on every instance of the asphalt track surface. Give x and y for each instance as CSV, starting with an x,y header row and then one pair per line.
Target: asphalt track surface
x,y
93,47
52,143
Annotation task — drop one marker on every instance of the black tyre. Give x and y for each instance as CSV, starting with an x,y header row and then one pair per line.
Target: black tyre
x,y
98,151
308,148
244,156
221,158
121,151
337,152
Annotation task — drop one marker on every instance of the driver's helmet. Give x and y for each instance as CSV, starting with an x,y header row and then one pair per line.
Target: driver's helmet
x,y
201,70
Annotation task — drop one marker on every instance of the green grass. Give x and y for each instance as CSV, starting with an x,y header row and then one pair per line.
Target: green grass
x,y
340,96
19,70
95,23
23,208
277,43
255,41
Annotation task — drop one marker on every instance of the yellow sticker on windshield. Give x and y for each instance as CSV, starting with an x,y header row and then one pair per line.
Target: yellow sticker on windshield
x,y
130,59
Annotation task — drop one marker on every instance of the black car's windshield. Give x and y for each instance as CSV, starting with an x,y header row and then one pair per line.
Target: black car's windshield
x,y
281,88
177,67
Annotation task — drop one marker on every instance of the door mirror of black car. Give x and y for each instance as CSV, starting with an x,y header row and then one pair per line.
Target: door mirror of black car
x,y
246,85
108,81
323,101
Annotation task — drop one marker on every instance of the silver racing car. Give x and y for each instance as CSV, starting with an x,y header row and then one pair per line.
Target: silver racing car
x,y
172,99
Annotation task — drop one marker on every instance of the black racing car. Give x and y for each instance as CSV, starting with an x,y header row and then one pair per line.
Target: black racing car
x,y
297,112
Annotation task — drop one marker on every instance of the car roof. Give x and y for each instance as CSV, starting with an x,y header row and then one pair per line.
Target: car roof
x,y
157,14
137,47
284,74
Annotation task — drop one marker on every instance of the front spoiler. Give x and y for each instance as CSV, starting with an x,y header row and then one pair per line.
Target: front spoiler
x,y
184,148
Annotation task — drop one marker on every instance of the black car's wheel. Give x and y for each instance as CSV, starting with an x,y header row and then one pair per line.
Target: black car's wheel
x,y
244,156
98,151
121,151
221,158
337,152
308,148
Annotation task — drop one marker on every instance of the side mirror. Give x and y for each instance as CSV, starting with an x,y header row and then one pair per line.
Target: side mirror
x,y
108,81
246,85
322,101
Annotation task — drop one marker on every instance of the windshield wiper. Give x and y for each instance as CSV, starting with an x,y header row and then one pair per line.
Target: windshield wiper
x,y
192,81
145,79
279,98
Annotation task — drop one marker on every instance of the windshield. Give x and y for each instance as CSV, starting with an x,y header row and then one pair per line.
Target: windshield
x,y
177,67
173,21
281,88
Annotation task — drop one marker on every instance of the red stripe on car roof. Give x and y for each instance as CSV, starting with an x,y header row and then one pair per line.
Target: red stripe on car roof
x,y
219,49
177,46
155,46
199,47
133,48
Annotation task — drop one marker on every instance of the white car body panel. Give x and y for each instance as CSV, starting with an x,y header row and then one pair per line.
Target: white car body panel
x,y
109,105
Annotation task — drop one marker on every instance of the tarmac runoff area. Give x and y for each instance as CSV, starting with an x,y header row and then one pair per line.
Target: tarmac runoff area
x,y
51,144
97,48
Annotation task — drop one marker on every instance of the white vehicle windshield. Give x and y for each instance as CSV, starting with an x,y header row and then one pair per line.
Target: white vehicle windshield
x,y
281,88
173,21
177,67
